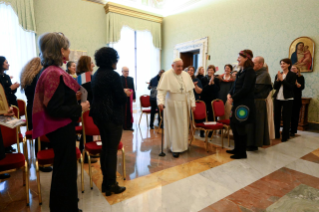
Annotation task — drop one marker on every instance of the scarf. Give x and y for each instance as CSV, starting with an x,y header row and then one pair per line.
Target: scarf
x,y
45,89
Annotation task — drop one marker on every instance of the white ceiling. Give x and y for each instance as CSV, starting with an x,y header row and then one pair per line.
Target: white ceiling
x,y
160,7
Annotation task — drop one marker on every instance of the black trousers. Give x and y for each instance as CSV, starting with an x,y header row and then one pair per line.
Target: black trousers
x,y
64,192
153,112
283,108
295,116
111,135
240,137
127,116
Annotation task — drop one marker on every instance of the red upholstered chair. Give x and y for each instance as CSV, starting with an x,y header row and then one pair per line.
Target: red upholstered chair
x,y
218,108
91,148
200,114
145,107
14,161
23,111
45,158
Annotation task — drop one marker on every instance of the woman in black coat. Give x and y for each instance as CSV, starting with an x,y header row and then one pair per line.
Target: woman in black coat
x,y
284,98
242,97
299,86
109,98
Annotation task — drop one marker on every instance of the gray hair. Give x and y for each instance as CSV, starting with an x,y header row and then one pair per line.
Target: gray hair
x,y
50,45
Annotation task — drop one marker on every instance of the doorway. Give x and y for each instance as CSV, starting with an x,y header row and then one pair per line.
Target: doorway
x,y
190,58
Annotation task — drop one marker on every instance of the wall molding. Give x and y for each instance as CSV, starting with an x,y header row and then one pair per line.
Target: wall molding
x,y
199,44
129,11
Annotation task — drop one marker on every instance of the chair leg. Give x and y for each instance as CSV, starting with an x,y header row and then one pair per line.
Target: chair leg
x,y
90,170
26,170
82,174
38,179
206,140
140,118
123,164
222,136
146,119
228,136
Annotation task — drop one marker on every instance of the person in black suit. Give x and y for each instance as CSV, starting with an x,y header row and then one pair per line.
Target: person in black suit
x,y
241,95
299,86
152,86
109,99
85,64
128,82
284,96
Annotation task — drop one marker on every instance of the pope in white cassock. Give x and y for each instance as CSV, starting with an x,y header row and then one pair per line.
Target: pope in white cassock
x,y
175,91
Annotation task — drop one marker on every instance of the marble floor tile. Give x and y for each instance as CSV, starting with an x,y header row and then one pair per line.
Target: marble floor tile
x,y
305,166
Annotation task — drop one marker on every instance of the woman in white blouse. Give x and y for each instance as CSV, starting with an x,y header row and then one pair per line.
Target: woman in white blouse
x,y
283,98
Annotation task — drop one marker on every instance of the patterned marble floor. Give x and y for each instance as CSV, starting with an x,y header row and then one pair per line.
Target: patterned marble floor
x,y
197,181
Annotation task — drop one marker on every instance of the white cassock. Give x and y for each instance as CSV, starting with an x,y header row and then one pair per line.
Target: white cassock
x,y
175,92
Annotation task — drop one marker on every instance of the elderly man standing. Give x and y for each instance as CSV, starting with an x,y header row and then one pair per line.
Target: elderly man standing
x,y
175,91
128,82
260,135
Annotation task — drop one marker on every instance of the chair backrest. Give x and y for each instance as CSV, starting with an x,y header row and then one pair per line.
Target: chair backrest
x,y
89,128
145,101
16,111
218,108
9,136
200,111
22,107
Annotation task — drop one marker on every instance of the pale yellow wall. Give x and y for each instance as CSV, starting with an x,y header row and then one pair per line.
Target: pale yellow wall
x,y
82,22
267,27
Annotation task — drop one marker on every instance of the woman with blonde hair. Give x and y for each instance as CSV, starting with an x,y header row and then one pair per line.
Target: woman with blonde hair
x,y
200,73
28,79
55,112
299,86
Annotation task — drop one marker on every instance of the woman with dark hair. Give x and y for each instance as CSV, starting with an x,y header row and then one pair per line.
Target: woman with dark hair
x,y
55,112
210,92
5,80
109,98
9,89
299,86
242,97
226,82
198,84
284,96
71,69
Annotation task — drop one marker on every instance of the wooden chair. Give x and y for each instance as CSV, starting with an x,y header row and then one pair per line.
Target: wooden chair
x,y
218,108
92,148
14,161
200,114
23,111
45,158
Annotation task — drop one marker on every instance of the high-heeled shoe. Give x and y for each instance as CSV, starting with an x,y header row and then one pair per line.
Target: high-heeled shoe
x,y
115,188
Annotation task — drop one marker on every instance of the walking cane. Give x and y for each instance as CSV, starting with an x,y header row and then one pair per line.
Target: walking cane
x,y
162,154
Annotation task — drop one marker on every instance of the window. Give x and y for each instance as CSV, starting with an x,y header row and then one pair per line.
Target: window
x,y
137,52
17,45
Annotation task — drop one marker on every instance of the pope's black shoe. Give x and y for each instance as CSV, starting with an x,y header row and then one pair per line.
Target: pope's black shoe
x,y
175,154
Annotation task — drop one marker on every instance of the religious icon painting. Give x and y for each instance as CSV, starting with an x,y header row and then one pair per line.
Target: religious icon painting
x,y
302,53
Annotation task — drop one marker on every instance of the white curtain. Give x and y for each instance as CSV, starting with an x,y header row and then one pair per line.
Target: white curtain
x,y
144,64
17,45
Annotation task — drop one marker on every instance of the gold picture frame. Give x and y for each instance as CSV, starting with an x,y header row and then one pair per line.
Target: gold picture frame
x,y
302,53
3,101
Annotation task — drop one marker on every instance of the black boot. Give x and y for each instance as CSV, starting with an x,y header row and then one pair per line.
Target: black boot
x,y
241,148
115,188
